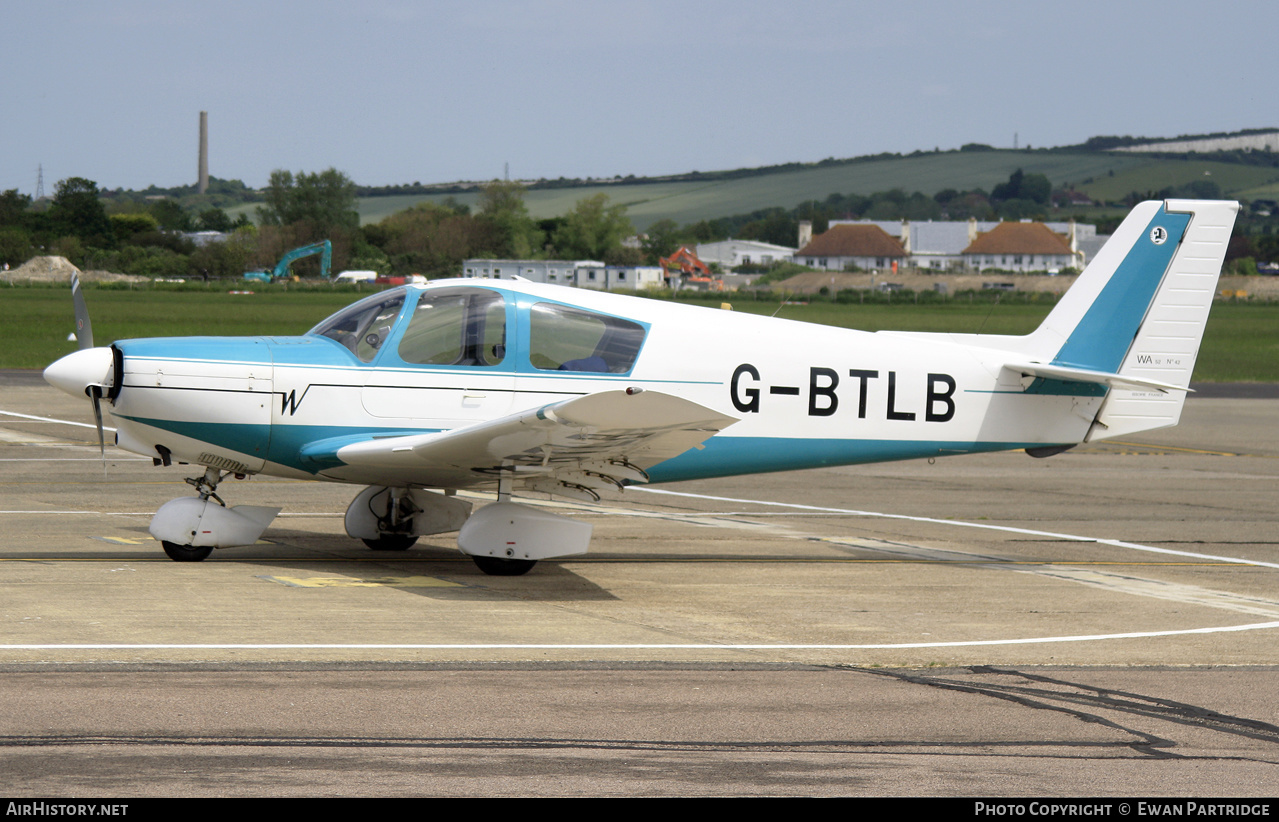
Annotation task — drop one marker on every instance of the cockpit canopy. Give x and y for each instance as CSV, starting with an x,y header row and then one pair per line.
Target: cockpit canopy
x,y
476,327
362,327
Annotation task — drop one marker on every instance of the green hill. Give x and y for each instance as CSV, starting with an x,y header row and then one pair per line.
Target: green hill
x,y
1102,176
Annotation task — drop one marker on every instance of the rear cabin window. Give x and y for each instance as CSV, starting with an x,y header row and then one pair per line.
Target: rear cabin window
x,y
571,339
456,327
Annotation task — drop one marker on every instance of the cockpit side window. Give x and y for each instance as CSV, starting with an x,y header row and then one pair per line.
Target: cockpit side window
x,y
364,326
456,327
572,339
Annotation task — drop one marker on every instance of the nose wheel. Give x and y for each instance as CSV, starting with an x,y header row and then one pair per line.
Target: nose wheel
x,y
189,528
186,553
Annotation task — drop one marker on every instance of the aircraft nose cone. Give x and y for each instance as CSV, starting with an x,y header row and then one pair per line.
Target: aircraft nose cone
x,y
75,372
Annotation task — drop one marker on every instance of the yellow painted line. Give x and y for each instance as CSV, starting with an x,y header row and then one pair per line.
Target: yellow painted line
x,y
362,582
149,539
1148,450
1178,448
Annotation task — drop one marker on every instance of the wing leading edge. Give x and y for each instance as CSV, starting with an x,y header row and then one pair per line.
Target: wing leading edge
x,y
568,448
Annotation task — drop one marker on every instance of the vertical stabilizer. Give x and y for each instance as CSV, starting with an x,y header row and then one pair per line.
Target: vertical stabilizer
x,y
1167,338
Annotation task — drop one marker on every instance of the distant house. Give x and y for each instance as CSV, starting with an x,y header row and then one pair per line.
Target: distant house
x,y
852,245
730,254
1022,247
940,245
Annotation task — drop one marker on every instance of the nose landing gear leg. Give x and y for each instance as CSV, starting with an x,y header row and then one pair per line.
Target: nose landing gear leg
x,y
189,528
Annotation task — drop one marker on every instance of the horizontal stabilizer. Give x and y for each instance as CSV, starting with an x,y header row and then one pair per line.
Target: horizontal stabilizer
x,y
1112,380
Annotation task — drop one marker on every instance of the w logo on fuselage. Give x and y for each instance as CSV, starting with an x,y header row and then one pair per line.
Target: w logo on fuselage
x,y
289,402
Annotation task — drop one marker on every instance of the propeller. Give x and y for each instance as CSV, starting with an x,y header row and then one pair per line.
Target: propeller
x,y
84,337
88,370
95,398
83,328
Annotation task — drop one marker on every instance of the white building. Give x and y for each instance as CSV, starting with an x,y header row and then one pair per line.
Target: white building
x,y
572,273
730,254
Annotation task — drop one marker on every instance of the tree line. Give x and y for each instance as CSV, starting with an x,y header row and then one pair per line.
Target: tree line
x,y
150,236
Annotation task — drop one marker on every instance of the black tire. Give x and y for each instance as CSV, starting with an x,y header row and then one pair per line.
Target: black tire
x,y
186,553
391,542
498,567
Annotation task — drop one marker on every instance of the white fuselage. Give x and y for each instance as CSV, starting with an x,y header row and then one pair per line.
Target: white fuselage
x,y
804,395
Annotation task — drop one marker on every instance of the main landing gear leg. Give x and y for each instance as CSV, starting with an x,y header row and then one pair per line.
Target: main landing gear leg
x,y
392,519
507,538
394,522
499,566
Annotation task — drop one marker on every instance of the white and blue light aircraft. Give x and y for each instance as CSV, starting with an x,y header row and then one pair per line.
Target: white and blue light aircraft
x,y
520,388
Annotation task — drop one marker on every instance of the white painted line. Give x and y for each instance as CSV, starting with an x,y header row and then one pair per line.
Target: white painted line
x,y
51,512
73,459
52,419
961,523
638,646
93,513
317,514
152,513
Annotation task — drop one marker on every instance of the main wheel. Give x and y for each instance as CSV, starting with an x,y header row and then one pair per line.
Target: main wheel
x,y
391,542
186,553
498,567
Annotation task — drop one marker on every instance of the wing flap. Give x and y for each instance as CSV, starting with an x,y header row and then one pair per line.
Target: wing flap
x,y
591,441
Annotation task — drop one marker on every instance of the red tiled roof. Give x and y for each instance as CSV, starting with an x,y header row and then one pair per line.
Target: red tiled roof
x,y
1019,238
853,241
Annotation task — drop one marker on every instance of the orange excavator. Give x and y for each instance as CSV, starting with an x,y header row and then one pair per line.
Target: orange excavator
x,y
693,273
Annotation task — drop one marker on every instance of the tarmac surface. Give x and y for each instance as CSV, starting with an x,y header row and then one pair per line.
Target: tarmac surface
x,y
1100,623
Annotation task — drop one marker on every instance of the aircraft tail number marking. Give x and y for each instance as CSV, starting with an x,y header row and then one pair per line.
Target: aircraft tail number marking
x,y
824,397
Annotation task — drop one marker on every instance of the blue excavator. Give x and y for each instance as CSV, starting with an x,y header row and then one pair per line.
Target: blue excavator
x,y
324,248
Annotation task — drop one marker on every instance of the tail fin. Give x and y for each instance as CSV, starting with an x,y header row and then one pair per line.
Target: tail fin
x,y
1135,318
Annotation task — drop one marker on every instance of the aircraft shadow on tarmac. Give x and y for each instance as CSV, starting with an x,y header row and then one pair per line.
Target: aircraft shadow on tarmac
x,y
327,559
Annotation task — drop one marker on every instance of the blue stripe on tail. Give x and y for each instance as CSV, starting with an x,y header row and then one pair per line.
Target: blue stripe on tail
x,y
1104,334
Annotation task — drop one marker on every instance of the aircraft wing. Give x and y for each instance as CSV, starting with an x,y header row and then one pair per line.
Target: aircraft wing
x,y
569,448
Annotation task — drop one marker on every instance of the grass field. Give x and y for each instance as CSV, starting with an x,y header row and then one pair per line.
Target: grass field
x,y
1241,343
35,322
1154,175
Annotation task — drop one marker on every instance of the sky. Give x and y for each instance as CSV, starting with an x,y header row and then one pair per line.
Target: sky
x,y
402,91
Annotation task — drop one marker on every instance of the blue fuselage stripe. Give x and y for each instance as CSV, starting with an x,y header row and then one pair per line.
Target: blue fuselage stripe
x,y
720,457
730,456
